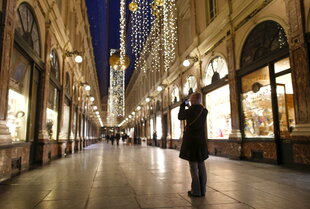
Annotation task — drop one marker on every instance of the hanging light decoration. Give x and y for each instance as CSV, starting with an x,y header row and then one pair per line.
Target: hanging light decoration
x,y
133,6
159,2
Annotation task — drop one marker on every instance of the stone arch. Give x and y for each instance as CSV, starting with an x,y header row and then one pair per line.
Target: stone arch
x,y
263,40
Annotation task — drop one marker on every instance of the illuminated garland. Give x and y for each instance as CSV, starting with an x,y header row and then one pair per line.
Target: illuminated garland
x,y
162,37
169,33
122,32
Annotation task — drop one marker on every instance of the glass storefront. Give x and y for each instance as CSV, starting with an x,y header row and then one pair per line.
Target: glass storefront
x,y
257,105
219,117
175,124
66,117
18,98
159,129
151,128
52,112
190,85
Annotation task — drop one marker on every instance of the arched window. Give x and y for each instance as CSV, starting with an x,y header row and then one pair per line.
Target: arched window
x,y
266,38
190,85
175,94
67,87
27,27
54,64
216,70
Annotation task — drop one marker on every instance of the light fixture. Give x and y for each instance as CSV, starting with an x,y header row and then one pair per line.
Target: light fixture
x,y
97,112
188,59
86,86
159,88
147,99
78,58
138,108
133,113
129,116
95,107
92,99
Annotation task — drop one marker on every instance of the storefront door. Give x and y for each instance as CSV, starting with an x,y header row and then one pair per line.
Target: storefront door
x,y
165,131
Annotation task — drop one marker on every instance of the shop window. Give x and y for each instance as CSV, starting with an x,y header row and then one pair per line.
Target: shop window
x,y
216,70
27,27
257,105
66,117
52,112
175,95
151,128
190,85
53,97
159,129
219,117
285,104
18,98
175,123
266,38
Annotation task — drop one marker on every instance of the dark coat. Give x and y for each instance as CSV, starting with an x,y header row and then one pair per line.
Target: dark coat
x,y
194,146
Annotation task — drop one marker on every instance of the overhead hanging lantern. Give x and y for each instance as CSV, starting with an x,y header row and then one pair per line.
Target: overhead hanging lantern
x,y
115,63
133,6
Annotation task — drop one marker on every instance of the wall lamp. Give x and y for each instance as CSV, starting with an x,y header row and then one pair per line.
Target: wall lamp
x,y
188,59
92,99
148,99
86,86
78,58
160,88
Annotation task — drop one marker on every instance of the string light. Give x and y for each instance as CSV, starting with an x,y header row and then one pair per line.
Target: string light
x,y
122,32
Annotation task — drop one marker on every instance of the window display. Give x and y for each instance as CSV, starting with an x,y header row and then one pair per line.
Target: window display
x,y
151,128
66,117
18,99
219,116
175,124
159,129
52,112
256,104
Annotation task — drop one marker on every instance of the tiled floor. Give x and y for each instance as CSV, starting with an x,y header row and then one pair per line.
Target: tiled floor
x,y
129,177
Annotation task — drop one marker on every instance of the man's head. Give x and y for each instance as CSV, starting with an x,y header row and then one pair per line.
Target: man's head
x,y
196,98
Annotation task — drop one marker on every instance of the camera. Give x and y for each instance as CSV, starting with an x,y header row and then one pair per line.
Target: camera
x,y
186,102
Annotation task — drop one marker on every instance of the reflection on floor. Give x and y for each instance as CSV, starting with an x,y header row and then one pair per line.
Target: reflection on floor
x,y
129,177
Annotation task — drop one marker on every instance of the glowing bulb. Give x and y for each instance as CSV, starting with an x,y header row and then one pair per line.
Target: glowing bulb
x,y
147,100
159,88
95,107
78,59
133,6
92,99
139,108
186,63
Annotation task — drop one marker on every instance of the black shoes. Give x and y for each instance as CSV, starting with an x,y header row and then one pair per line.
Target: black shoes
x,y
194,195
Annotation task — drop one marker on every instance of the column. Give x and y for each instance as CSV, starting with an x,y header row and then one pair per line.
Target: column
x,y
6,46
299,59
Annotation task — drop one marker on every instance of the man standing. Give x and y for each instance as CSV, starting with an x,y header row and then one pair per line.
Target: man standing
x,y
194,146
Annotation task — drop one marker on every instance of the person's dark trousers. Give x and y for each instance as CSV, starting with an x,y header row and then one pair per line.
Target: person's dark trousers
x,y
199,177
112,141
117,142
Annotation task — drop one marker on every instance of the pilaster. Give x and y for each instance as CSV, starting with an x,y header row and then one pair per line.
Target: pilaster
x,y
299,59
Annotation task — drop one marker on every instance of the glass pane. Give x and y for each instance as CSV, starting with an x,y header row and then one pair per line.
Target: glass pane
x,y
159,130
66,118
256,104
282,65
151,128
175,95
191,83
219,117
18,97
52,112
175,124
285,96
216,70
